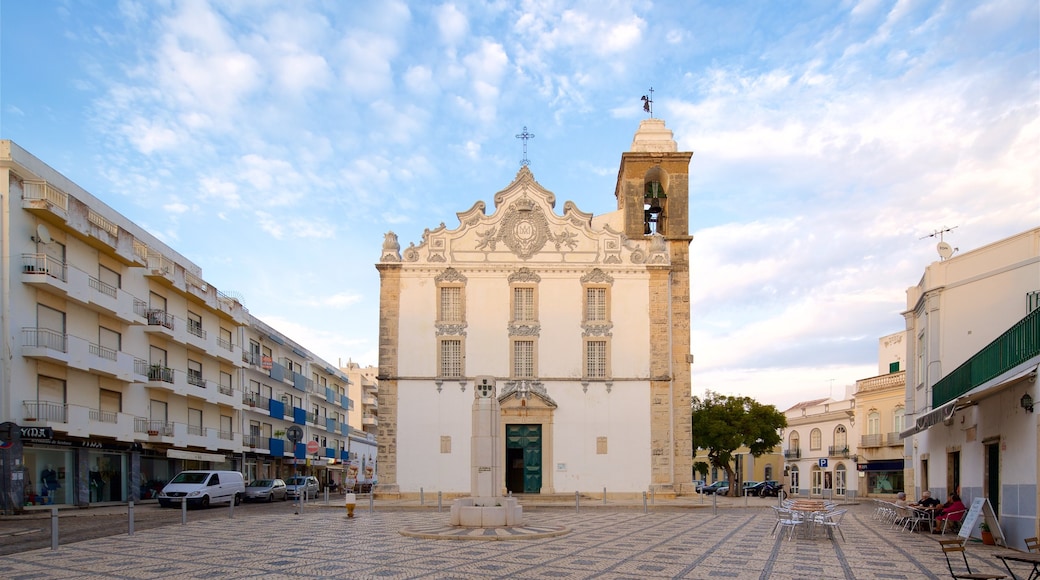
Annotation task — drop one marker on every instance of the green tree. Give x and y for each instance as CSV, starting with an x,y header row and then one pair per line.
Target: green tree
x,y
722,424
702,468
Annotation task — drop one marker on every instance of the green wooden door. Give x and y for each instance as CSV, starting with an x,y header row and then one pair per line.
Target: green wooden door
x,y
527,438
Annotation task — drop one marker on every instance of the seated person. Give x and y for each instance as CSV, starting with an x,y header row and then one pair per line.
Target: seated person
x,y
901,499
927,501
953,511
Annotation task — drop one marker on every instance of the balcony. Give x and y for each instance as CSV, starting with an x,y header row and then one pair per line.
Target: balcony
x,y
1018,345
251,358
370,401
45,344
104,361
792,453
838,451
894,440
159,266
42,412
43,271
160,322
871,440
45,200
256,442
370,421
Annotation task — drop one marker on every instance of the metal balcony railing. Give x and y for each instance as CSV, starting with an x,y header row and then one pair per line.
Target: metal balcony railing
x,y
157,317
103,416
792,453
160,373
1017,345
226,435
45,338
153,427
102,287
44,411
196,430
893,439
102,351
195,378
225,390
838,451
252,358
44,264
140,308
225,344
195,327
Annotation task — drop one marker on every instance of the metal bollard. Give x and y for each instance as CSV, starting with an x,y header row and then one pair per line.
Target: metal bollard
x,y
714,504
326,496
422,497
231,509
371,501
438,502
653,496
745,497
54,528
604,496
184,510
130,519
644,502
577,503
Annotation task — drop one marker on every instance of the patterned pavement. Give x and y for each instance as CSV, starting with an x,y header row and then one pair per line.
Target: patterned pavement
x,y
608,543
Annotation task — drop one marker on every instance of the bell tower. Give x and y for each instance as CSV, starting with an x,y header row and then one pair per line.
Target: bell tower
x,y
653,193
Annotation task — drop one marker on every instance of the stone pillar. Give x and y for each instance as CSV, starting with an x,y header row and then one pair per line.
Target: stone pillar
x,y
486,457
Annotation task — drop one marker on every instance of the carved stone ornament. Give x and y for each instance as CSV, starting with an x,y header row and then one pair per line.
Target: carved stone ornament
x,y
597,276
391,248
524,329
524,275
596,329
455,329
524,230
450,275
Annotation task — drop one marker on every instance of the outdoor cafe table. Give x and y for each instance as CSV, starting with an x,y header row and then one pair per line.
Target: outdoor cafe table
x,y
1026,557
810,509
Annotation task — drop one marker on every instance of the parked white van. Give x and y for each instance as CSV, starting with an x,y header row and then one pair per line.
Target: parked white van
x,y
202,488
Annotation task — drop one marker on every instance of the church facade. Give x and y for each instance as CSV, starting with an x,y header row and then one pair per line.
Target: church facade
x,y
581,321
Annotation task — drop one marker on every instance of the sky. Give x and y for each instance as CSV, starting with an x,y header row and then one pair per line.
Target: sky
x,y
273,144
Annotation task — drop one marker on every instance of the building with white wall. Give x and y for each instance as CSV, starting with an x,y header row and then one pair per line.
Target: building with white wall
x,y
973,351
820,449
581,320
124,366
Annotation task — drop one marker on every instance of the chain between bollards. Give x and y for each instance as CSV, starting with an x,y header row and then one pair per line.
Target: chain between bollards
x,y
130,519
54,528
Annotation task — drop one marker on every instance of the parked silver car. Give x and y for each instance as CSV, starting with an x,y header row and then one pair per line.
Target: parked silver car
x,y
266,490
302,484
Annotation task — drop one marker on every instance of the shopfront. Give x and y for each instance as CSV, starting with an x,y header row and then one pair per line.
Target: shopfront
x,y
883,477
75,471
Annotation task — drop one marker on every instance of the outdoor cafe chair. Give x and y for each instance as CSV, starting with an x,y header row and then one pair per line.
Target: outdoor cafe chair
x,y
832,521
954,546
1033,544
952,521
786,519
916,518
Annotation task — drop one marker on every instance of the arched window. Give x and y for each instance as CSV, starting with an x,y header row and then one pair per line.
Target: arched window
x,y
793,441
815,439
841,438
794,480
874,423
768,472
898,420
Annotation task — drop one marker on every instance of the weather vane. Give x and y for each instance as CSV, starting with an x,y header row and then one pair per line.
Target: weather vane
x,y
525,136
648,103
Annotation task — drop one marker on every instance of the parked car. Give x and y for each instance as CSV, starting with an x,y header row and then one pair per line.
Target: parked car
x,y
715,487
698,484
266,490
201,488
773,489
302,485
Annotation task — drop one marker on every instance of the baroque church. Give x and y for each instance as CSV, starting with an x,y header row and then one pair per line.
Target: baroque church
x,y
580,321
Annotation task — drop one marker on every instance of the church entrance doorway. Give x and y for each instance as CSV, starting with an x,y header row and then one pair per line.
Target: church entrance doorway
x,y
524,458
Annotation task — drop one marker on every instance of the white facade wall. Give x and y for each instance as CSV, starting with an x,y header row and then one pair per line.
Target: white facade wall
x,y
960,306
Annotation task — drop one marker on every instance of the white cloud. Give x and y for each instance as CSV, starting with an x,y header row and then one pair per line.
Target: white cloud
x,y
451,23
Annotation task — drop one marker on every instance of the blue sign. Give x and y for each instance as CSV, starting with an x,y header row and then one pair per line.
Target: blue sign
x,y
823,462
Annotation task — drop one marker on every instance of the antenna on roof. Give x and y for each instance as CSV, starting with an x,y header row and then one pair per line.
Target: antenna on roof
x,y
945,250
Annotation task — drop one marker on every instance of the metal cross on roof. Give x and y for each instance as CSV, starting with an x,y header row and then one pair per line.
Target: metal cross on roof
x,y
648,103
525,136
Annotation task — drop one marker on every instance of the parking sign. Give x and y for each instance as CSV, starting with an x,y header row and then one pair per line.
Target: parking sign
x,y
823,462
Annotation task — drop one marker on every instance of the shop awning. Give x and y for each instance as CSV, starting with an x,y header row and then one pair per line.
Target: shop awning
x,y
195,456
933,417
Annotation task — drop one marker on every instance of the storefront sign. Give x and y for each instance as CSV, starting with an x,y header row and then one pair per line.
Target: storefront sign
x,y
36,432
84,443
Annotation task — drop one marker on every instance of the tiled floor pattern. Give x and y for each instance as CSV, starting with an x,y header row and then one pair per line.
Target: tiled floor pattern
x,y
736,544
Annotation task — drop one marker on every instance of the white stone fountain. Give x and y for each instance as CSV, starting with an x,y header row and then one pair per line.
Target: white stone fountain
x,y
486,507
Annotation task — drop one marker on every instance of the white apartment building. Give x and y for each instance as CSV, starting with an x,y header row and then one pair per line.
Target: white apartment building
x,y
973,353
123,366
820,449
581,321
